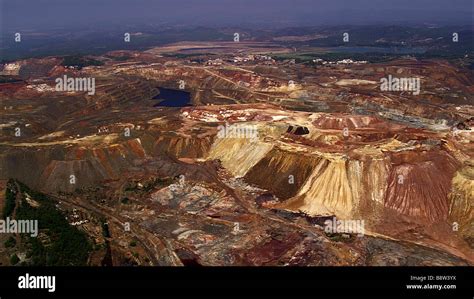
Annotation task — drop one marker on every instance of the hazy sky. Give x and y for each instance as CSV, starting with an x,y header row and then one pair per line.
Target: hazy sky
x,y
70,13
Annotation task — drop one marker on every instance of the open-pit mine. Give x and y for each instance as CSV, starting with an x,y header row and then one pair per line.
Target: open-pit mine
x,y
263,161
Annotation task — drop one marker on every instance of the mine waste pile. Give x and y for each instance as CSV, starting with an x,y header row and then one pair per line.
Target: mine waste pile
x,y
255,171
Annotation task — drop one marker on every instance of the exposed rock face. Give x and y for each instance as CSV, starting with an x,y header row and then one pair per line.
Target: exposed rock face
x,y
327,191
461,209
282,172
183,146
352,122
87,165
60,176
419,184
238,155
410,180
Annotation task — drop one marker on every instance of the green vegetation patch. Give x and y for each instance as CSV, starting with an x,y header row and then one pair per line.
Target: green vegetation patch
x,y
80,61
14,259
11,242
58,243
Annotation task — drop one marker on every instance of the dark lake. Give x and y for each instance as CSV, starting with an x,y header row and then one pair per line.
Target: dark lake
x,y
173,98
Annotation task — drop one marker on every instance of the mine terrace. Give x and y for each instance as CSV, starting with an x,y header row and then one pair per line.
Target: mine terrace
x,y
330,143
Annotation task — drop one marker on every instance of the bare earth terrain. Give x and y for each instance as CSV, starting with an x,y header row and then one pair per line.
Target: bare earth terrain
x,y
157,185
